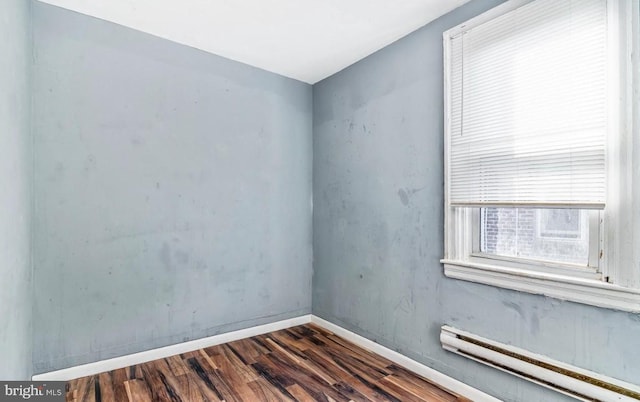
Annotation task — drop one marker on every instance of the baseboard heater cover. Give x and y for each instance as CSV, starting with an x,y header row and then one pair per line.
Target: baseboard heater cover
x,y
578,383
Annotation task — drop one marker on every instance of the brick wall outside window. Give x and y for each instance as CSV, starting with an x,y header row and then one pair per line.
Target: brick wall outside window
x,y
515,232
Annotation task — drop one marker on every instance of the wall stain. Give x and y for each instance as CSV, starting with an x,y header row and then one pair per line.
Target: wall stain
x,y
515,307
165,256
404,305
405,194
181,256
90,163
404,198
535,324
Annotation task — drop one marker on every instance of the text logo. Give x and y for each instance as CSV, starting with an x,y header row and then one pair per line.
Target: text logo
x,y
50,391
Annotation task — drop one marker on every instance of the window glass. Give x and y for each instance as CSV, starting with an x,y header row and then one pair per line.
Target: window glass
x,y
558,235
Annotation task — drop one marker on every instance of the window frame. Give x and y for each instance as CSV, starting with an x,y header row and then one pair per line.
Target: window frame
x,y
614,282
592,271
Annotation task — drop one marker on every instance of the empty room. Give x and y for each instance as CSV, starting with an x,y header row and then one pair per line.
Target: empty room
x,y
298,200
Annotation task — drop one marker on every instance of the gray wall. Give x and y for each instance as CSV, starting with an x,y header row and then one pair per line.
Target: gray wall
x,y
15,190
173,192
378,231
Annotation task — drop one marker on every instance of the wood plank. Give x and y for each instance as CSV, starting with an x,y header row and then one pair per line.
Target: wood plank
x,y
419,384
89,393
287,353
299,393
77,387
261,340
421,391
118,378
398,391
241,366
177,366
206,387
133,372
207,358
204,381
371,391
190,390
248,350
328,366
188,356
365,353
366,357
318,329
276,380
310,382
294,341
314,368
265,392
350,392
304,331
231,374
284,340
107,391
160,390
171,384
354,366
221,382
297,357
137,391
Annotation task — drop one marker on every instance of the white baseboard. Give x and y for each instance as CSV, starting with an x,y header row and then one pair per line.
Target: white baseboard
x,y
410,364
160,353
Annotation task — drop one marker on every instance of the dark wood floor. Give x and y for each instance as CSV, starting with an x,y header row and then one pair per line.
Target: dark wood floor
x,y
304,363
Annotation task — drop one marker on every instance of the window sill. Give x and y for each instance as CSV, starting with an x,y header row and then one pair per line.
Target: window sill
x,y
587,291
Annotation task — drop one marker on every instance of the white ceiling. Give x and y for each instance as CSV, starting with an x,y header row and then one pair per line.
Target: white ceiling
x,y
303,39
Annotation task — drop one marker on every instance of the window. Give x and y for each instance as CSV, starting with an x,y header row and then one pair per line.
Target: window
x,y
562,224
554,235
541,128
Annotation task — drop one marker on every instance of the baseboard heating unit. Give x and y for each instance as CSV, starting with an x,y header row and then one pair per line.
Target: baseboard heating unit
x,y
581,384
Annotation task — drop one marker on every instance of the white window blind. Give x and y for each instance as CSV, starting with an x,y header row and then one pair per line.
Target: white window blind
x,y
528,108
